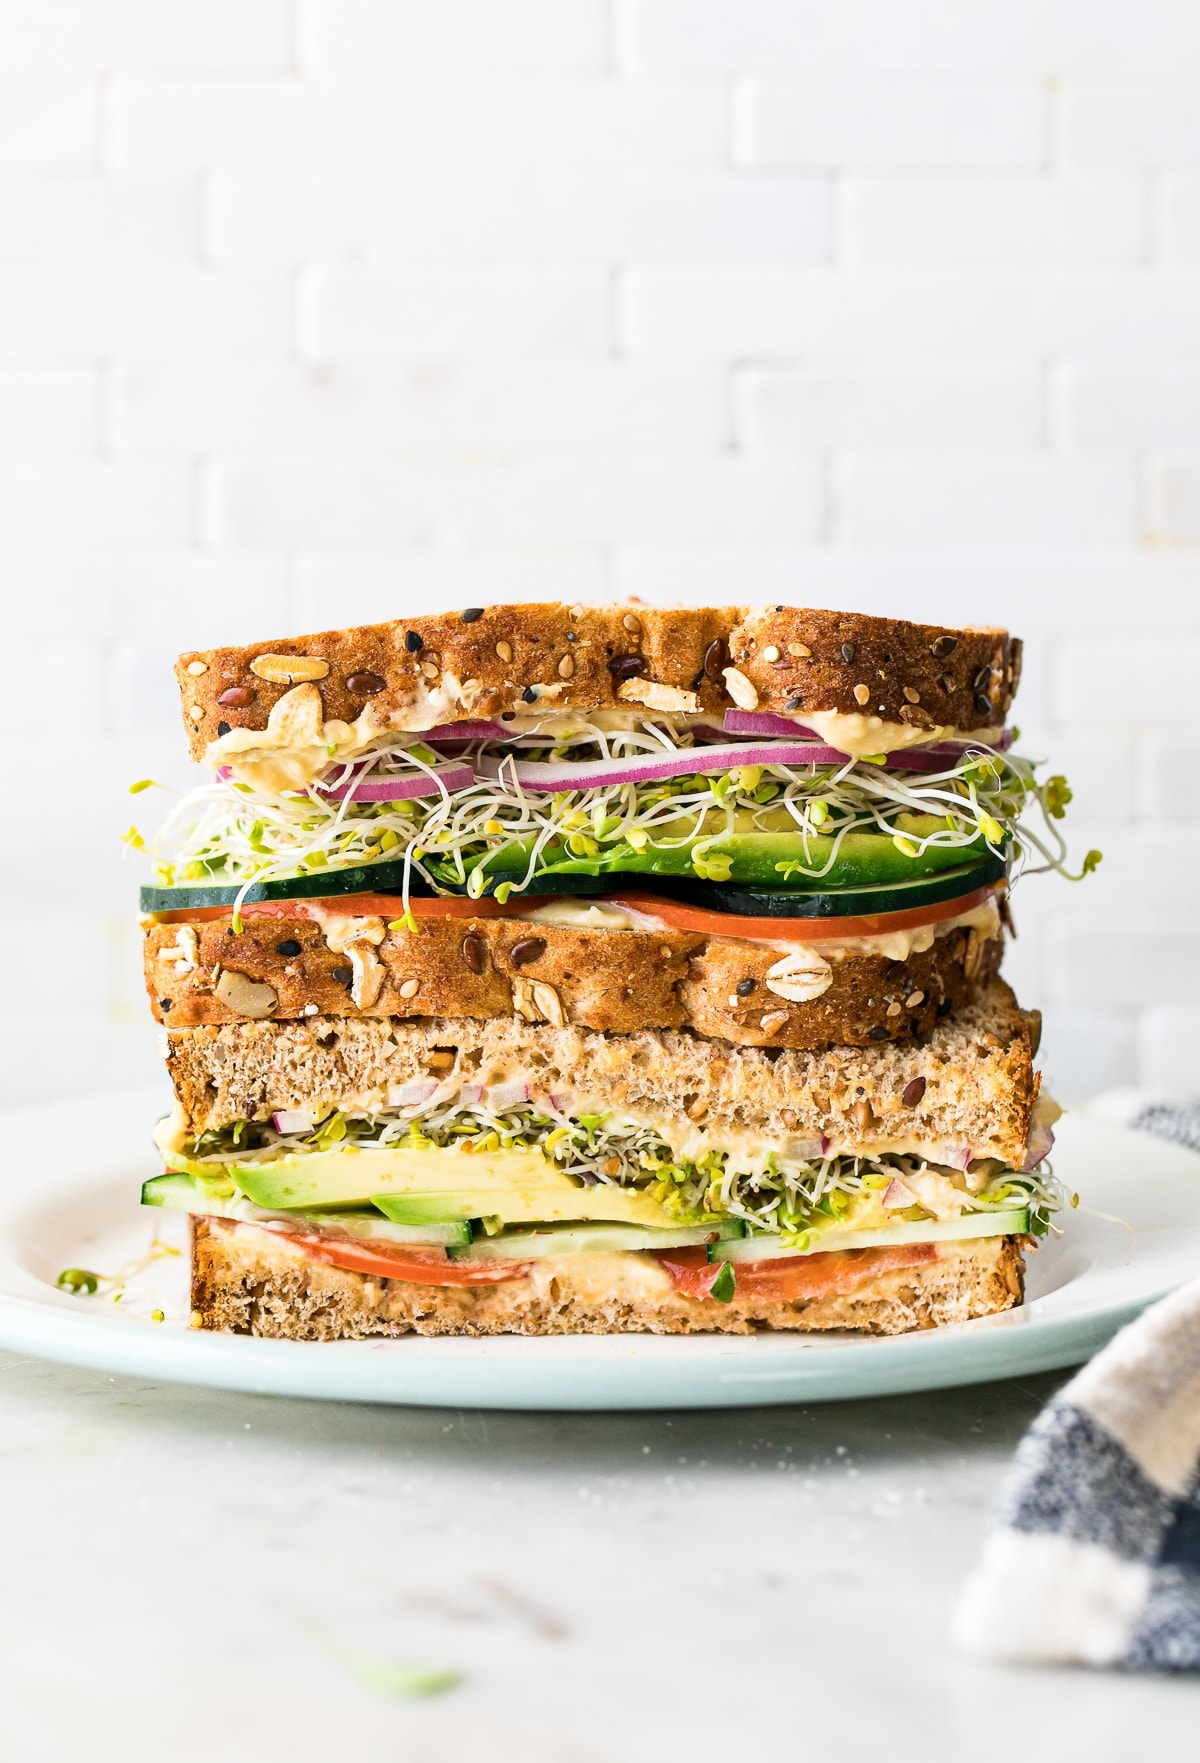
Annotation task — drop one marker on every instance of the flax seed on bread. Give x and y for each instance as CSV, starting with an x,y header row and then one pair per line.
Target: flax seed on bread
x,y
612,980
490,661
246,1282
968,1087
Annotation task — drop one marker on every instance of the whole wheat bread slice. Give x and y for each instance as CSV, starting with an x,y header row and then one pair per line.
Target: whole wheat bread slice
x,y
494,968
421,671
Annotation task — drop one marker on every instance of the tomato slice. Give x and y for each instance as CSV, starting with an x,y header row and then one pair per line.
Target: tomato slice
x,y
671,912
427,1267
691,1270
356,906
807,930
805,1276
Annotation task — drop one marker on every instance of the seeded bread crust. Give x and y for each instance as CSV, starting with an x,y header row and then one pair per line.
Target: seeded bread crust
x,y
614,980
485,662
243,1282
970,1084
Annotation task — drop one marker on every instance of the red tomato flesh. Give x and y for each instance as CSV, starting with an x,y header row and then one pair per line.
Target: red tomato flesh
x,y
357,905
671,912
691,1270
804,1276
427,1267
808,930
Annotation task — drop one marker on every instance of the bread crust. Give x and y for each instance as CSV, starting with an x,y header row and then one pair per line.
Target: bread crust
x,y
977,1081
613,980
493,660
244,1282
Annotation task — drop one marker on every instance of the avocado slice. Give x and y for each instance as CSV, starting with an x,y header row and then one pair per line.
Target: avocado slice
x,y
755,857
538,1204
425,1186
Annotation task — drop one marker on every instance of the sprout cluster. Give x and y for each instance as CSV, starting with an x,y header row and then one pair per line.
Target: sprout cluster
x,y
785,1192
229,832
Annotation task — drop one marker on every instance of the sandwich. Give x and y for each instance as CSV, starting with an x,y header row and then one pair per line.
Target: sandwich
x,y
549,969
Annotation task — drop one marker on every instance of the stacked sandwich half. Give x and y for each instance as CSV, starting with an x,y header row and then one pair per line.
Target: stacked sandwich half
x,y
594,968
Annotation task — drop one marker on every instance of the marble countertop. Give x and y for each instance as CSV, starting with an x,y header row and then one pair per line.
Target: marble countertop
x,y
190,1575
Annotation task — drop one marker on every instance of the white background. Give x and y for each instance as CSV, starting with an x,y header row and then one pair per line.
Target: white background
x,y
320,312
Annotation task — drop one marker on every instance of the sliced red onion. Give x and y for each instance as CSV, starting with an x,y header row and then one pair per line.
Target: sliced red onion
x,y
896,1194
292,1120
501,1097
454,776
590,774
412,1095
765,722
470,1095
466,731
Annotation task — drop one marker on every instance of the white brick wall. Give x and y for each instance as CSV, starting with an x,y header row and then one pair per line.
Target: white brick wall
x,y
996,220
498,310
840,123
314,310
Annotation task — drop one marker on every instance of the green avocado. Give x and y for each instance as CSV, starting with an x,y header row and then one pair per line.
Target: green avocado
x,y
765,858
433,1185
537,1203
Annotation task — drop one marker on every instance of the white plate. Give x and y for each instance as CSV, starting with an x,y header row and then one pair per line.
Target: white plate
x,y
69,1198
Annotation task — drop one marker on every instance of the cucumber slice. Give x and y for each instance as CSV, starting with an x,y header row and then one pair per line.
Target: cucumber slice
x,y
1013,1222
750,902
179,1193
375,878
870,871
578,1239
845,902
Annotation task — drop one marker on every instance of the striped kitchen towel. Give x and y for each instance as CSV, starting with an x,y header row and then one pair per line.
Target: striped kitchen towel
x,y
1095,1554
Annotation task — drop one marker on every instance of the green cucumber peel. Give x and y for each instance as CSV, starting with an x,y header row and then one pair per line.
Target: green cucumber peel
x,y
1012,1221
725,1284
181,1193
537,1242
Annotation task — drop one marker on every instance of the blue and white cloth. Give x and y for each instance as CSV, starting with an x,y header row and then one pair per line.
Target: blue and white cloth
x,y
1095,1554
1095,1557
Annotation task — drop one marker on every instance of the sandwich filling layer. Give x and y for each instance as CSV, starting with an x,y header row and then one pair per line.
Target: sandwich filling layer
x,y
509,811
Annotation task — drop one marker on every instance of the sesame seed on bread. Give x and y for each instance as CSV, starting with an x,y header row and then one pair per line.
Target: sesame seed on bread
x,y
245,1281
486,662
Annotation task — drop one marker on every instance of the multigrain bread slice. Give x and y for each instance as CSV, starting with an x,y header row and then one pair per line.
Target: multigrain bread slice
x,y
966,1090
245,1281
415,673
287,967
